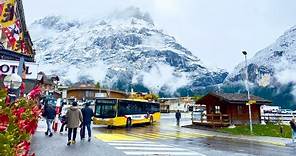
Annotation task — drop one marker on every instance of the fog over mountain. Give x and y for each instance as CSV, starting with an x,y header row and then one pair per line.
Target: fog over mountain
x,y
121,50
272,71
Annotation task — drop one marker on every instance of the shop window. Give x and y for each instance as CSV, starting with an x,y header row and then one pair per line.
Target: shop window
x,y
217,110
89,94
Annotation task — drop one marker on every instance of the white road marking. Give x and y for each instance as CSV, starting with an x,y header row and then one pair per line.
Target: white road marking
x,y
134,142
144,145
163,153
152,148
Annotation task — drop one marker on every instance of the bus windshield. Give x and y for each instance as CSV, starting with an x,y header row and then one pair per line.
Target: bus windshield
x,y
105,108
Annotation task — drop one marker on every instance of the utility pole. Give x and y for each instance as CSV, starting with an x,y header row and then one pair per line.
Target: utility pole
x,y
248,92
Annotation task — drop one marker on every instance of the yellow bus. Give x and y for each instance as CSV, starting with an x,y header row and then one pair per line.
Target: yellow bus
x,y
125,112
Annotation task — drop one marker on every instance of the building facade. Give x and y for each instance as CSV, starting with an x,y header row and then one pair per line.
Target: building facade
x,y
182,104
231,108
89,93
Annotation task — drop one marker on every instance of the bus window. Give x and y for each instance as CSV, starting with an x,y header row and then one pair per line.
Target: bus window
x,y
154,107
105,109
131,107
123,108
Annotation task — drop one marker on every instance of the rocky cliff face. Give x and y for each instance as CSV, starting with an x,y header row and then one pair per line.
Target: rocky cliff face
x,y
272,64
272,72
120,50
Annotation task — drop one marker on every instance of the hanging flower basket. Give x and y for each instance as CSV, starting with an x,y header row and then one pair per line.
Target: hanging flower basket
x,y
18,122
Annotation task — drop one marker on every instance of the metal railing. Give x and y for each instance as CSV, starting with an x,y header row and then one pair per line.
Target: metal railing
x,y
213,120
277,117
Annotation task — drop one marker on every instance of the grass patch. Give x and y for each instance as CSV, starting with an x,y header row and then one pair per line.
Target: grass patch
x,y
260,130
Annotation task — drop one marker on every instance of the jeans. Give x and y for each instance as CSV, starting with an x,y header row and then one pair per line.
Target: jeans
x,y
62,127
70,133
178,122
49,122
82,133
293,136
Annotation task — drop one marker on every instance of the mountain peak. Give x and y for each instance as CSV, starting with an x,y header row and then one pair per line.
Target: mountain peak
x,y
56,22
117,49
132,12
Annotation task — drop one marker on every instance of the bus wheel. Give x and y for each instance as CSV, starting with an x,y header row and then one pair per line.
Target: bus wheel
x,y
151,120
109,126
128,122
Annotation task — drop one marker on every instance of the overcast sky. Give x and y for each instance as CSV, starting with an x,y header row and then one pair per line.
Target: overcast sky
x,y
214,30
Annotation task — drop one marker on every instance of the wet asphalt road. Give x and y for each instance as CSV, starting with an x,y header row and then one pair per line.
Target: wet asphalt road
x,y
165,138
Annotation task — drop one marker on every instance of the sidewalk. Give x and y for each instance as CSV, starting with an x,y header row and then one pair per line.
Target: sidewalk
x,y
43,145
254,139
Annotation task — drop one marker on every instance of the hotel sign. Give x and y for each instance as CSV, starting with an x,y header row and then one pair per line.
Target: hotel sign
x,y
8,67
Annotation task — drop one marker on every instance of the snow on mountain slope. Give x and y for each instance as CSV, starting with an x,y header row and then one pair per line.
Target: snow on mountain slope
x,y
276,63
122,49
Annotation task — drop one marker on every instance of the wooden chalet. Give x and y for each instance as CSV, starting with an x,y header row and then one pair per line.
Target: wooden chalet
x,y
224,109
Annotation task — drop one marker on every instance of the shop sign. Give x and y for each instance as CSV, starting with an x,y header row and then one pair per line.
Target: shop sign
x,y
8,67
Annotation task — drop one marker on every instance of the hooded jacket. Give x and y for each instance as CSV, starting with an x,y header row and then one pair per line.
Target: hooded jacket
x,y
293,125
74,117
87,114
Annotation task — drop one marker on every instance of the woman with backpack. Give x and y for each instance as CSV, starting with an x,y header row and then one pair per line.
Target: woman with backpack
x,y
49,114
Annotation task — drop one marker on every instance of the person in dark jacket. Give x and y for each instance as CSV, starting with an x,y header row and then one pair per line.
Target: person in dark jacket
x,y
62,117
49,114
293,127
178,117
87,114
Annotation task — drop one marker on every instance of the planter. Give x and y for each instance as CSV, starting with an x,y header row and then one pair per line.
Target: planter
x,y
17,124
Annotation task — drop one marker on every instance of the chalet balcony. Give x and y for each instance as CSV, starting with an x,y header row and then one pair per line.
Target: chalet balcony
x,y
213,120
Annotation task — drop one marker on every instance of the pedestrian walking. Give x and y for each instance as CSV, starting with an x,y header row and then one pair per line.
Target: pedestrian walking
x,y
49,114
293,127
63,120
74,117
87,114
63,117
178,117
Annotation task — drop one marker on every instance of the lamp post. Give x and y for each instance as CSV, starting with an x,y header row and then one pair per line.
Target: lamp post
x,y
12,82
248,92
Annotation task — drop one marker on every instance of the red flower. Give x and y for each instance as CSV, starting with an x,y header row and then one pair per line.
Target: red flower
x,y
35,92
4,121
18,112
22,149
36,111
28,126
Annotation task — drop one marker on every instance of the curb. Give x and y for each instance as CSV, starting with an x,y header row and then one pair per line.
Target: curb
x,y
242,139
256,141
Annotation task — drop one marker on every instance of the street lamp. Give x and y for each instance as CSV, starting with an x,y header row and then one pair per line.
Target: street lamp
x,y
12,82
248,92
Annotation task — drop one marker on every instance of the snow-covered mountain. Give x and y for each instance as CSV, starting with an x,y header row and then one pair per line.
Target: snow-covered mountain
x,y
122,49
274,64
272,72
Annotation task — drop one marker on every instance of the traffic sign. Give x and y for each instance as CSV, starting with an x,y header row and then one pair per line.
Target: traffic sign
x,y
252,101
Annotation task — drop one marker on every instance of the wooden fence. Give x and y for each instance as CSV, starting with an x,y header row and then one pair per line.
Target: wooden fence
x,y
213,120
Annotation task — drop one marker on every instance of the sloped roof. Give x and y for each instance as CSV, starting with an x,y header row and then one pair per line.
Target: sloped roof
x,y
236,98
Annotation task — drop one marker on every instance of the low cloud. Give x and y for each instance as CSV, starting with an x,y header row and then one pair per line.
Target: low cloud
x,y
286,74
95,71
162,76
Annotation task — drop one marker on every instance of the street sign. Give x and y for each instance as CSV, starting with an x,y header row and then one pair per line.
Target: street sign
x,y
100,95
250,102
